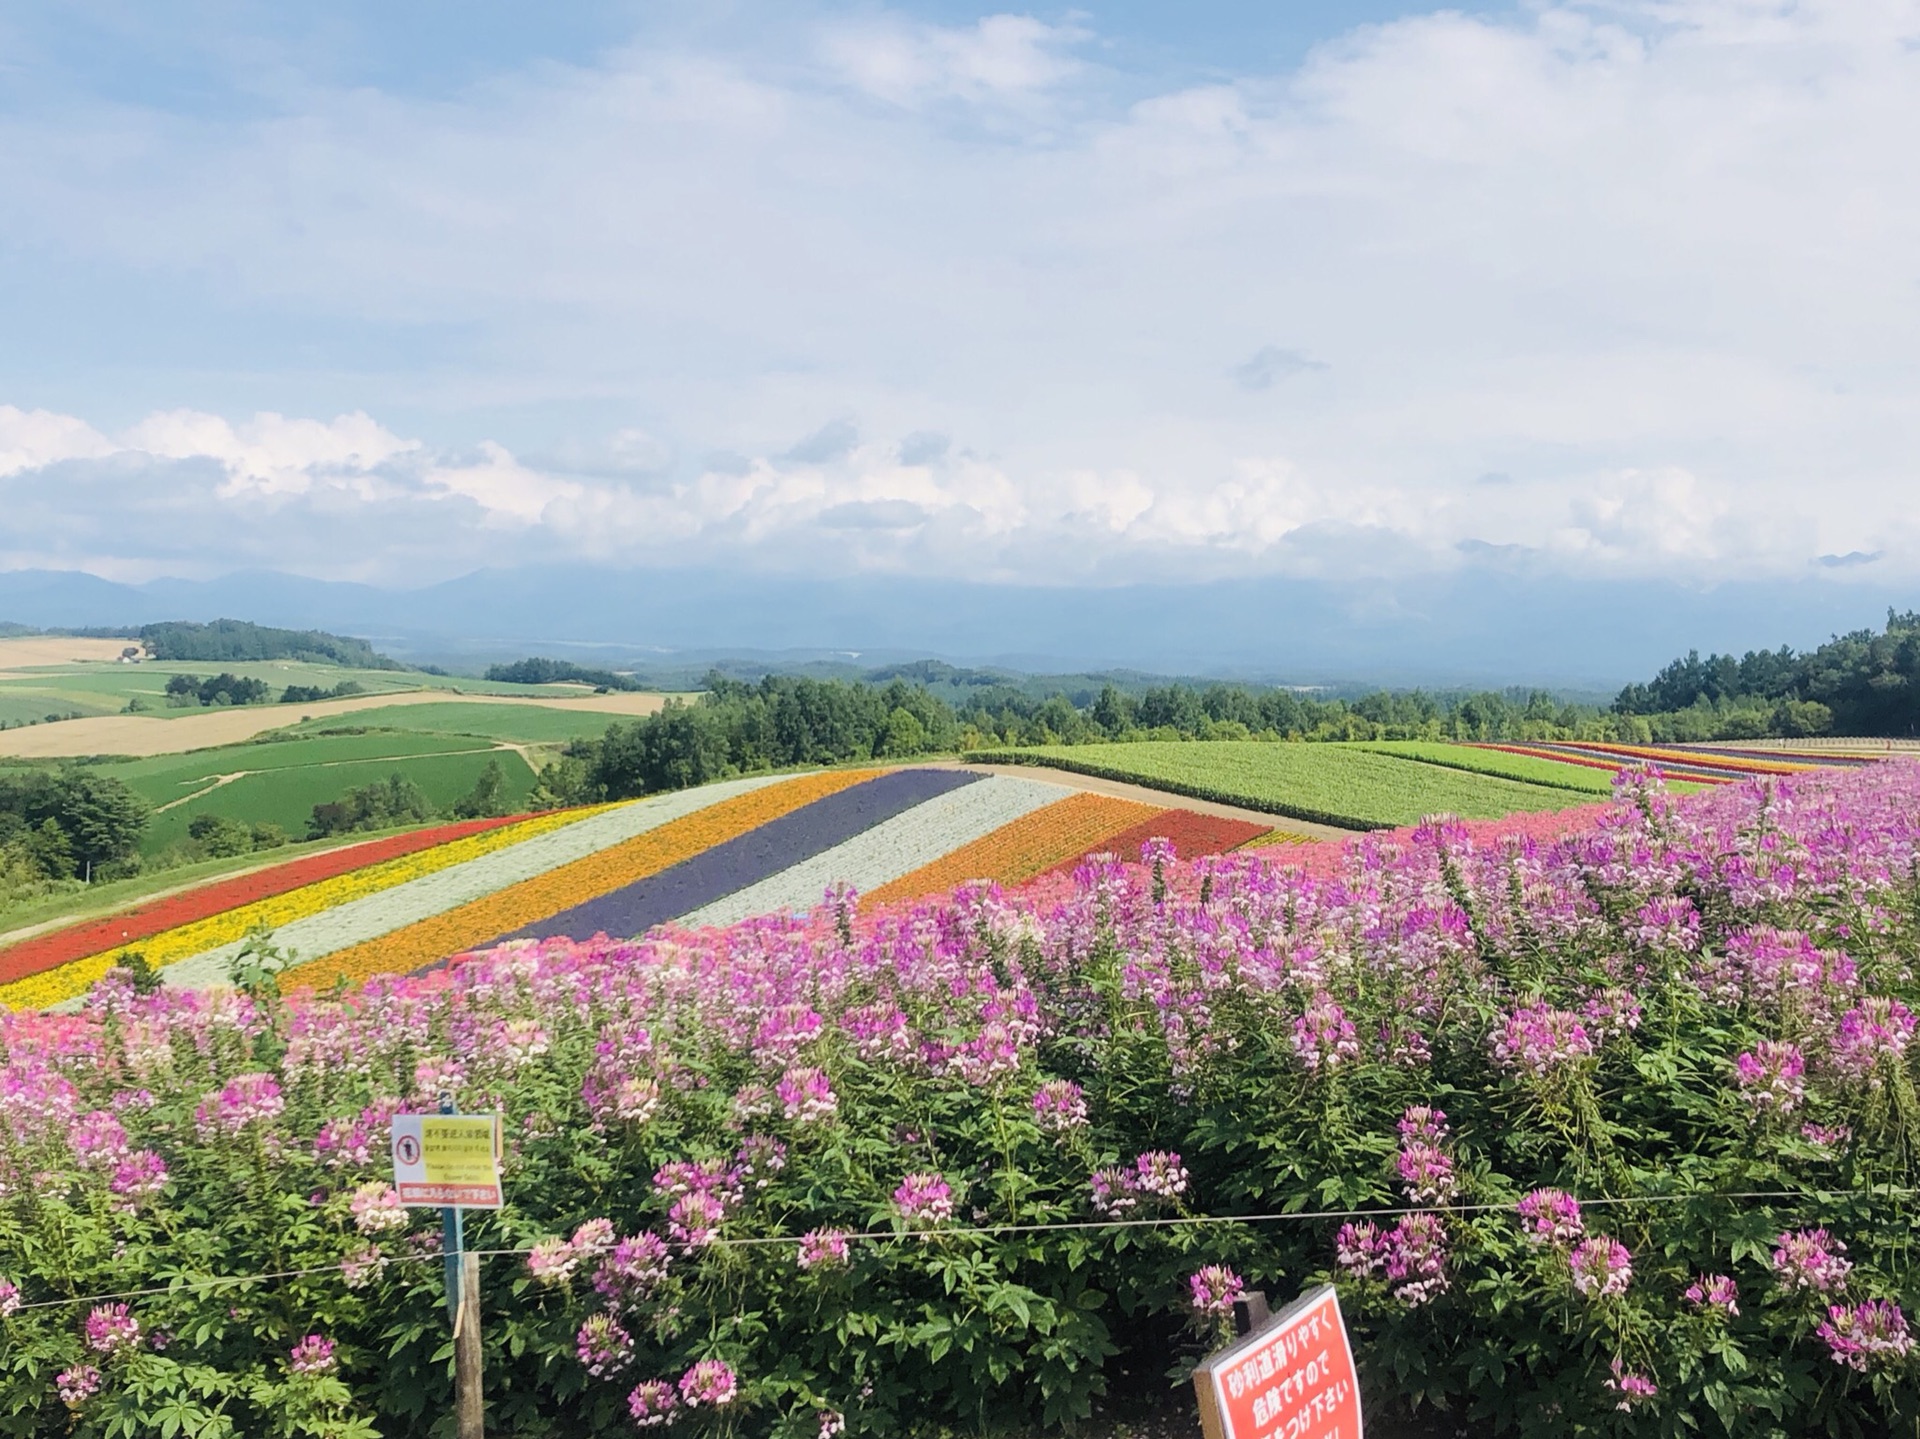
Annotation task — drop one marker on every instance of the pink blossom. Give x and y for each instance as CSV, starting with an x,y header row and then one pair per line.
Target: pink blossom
x,y
1059,1105
1602,1267
695,1219
1770,1077
312,1355
551,1262
632,1269
1551,1216
9,1298
822,1249
1715,1292
653,1403
376,1208
1324,1038
246,1100
806,1096
1862,1335
924,1196
1811,1260
77,1385
1633,1389
1427,1173
141,1175
111,1328
1114,1192
709,1383
1876,1029
1421,1125
1214,1290
1160,1174
603,1347
1539,1040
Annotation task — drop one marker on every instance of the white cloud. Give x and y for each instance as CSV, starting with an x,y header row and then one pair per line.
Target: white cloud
x,y
1654,263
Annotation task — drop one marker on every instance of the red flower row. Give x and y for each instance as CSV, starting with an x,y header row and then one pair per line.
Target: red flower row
x,y
1190,832
62,946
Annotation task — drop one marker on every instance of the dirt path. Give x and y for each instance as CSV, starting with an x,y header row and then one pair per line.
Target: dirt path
x,y
143,735
1149,796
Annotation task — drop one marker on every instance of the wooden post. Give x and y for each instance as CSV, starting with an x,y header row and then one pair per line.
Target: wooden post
x,y
468,1418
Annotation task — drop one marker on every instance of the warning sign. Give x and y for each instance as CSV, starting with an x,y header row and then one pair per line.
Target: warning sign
x,y
1292,1379
447,1159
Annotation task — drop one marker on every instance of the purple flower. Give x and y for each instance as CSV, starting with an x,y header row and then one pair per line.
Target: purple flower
x,y
1551,1216
112,1328
1875,1030
98,1140
832,1422
653,1403
1861,1335
806,1096
551,1262
9,1298
710,1383
1770,1077
1059,1105
77,1385
1214,1290
1114,1192
247,1099
1360,1249
695,1218
1602,1268
376,1207
1427,1173
141,1175
1715,1292
1421,1125
924,1197
1827,1137
1811,1260
312,1355
1160,1174
1633,1389
1540,1040
632,1269
1416,1258
822,1249
603,1347
1323,1037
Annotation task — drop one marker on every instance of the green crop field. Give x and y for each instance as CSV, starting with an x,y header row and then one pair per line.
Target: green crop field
x,y
1525,768
1346,785
514,724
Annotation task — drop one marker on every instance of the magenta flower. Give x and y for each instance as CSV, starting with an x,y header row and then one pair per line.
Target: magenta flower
x,y
1770,1077
924,1197
111,1328
246,1100
359,1268
1811,1260
1715,1292
1633,1389
77,1385
1114,1191
632,1270
141,1175
1877,1029
1160,1174
695,1219
312,1355
806,1096
551,1262
832,1422
1551,1216
822,1249
1862,1335
9,1298
1421,1125
1540,1041
1059,1105
710,1384
1427,1173
653,1404
603,1347
1602,1267
98,1140
1361,1250
1214,1289
1324,1038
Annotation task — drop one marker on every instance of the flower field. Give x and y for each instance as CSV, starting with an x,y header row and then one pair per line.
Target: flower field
x,y
1609,1130
702,856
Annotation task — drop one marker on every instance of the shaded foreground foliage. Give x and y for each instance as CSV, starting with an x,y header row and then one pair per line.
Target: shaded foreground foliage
x,y
1649,1091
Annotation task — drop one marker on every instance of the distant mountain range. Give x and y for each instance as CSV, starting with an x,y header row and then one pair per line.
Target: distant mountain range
x,y
1481,625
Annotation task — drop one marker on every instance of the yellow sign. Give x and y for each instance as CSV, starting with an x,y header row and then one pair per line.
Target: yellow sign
x,y
447,1159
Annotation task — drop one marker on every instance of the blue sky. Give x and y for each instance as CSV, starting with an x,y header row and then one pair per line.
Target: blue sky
x,y
1134,292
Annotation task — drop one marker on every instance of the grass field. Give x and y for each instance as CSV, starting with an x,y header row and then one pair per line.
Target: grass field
x,y
513,724
1351,786
1525,768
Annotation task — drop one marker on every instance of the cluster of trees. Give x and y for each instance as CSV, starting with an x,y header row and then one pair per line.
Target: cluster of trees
x,y
311,694
233,641
1860,683
397,800
223,689
547,672
218,837
56,828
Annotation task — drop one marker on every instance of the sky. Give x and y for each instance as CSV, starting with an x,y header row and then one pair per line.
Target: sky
x,y
1085,296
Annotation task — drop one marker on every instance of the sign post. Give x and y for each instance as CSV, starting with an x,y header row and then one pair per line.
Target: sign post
x,y
452,1161
1290,1378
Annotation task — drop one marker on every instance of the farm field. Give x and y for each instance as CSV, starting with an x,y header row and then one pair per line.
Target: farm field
x,y
706,856
550,722
1476,759
1349,786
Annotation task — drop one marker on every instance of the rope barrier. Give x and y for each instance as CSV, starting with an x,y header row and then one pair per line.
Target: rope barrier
x,y
986,1230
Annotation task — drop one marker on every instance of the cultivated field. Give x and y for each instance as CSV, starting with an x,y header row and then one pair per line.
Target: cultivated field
x,y
1528,769
30,652
1350,786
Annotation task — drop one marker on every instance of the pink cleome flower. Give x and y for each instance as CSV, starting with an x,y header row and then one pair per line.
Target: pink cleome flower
x,y
632,1269
1160,1174
1059,1105
1713,1292
653,1404
77,1385
602,1346
312,1355
924,1196
1602,1267
1633,1389
1540,1040
1771,1077
111,1328
246,1100
709,1383
806,1096
1862,1335
1551,1216
822,1249
376,1207
551,1262
1214,1289
1810,1260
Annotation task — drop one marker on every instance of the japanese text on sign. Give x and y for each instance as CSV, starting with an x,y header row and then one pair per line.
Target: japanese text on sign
x,y
1293,1379
447,1159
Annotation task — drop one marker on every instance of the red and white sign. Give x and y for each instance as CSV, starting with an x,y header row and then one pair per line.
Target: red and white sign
x,y
1292,1379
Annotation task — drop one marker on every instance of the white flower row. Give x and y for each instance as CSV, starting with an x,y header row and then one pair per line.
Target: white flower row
x,y
889,850
387,910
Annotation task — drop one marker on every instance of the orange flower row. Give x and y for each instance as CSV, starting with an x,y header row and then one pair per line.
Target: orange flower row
x,y
460,929
1030,845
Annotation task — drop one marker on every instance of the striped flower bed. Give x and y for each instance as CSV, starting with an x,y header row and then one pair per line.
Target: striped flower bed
x,y
1190,832
724,813
229,929
1018,851
1568,754
62,946
889,850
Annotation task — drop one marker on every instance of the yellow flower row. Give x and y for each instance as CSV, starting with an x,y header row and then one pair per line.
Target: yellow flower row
x,y
1030,845
460,929
173,945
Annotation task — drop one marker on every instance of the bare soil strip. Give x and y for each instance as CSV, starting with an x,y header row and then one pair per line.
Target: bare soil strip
x,y
1146,795
143,735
